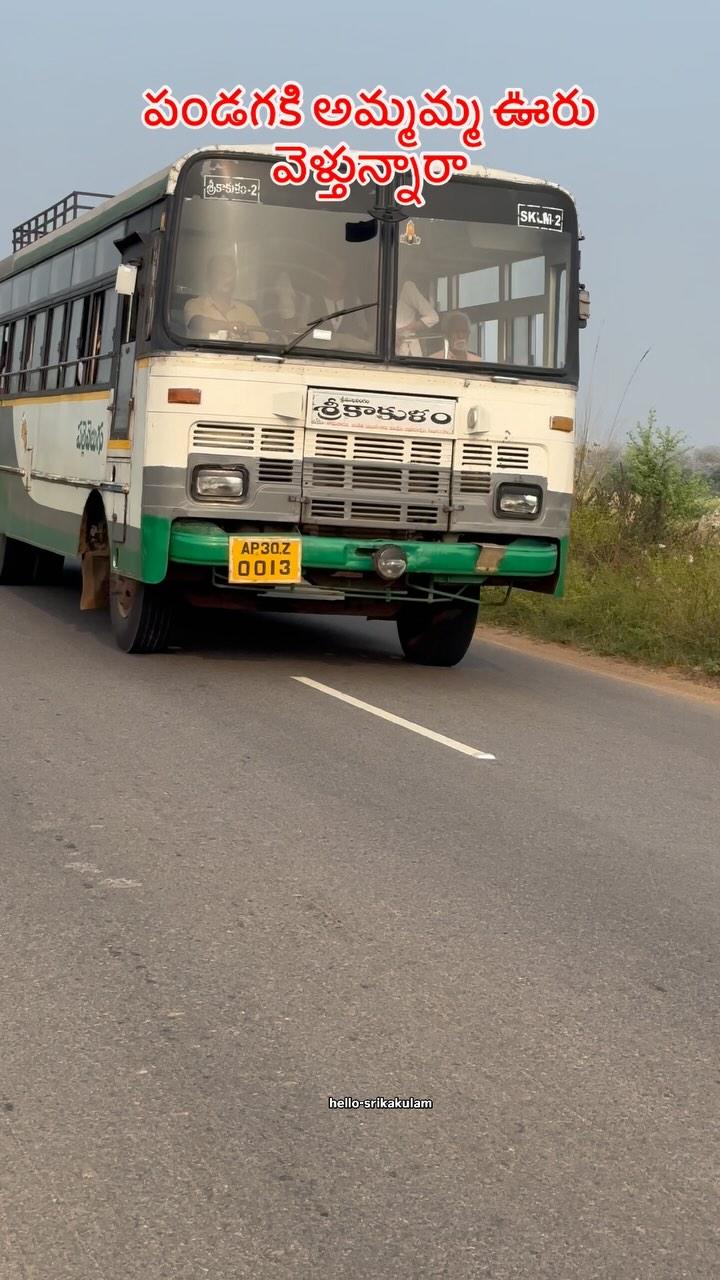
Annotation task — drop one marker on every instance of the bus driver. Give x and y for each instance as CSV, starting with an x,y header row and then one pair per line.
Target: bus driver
x,y
216,313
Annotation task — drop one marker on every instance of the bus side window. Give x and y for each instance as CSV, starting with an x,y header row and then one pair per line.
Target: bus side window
x,y
36,351
16,354
107,336
88,367
25,354
75,340
5,345
129,318
152,284
55,345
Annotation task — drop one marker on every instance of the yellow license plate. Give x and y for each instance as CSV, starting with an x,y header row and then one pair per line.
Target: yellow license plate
x,y
271,562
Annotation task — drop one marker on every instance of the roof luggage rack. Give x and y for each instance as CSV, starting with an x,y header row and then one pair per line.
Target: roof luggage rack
x,y
57,215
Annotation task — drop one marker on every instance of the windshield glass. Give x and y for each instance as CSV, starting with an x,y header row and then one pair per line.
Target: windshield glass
x,y
476,287
257,263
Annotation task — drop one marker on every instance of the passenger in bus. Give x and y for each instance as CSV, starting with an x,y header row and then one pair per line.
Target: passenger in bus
x,y
217,313
283,307
338,293
456,328
414,315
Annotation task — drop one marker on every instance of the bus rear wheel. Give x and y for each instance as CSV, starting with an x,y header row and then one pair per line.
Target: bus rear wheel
x,y
436,635
17,562
140,615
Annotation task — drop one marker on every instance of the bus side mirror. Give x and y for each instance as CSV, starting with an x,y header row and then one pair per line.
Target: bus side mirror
x,y
583,306
126,279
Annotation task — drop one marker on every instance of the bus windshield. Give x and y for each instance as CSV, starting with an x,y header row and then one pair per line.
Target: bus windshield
x,y
256,263
483,271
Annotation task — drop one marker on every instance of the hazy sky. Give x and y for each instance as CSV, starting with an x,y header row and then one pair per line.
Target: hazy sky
x,y
646,178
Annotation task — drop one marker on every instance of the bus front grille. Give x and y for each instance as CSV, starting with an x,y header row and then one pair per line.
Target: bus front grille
x,y
476,460
359,478
246,438
361,512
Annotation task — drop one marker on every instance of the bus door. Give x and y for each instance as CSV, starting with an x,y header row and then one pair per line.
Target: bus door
x,y
121,413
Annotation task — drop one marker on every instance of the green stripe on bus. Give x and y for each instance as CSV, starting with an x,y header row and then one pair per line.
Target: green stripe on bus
x,y
154,548
562,566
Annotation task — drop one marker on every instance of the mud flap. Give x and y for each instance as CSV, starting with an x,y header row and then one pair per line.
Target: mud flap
x,y
95,558
95,580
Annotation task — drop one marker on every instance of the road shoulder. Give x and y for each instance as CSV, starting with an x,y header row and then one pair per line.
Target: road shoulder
x,y
700,688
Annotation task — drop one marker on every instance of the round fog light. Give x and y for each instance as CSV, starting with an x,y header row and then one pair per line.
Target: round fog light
x,y
390,563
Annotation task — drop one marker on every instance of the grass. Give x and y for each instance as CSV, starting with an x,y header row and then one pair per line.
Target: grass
x,y
655,605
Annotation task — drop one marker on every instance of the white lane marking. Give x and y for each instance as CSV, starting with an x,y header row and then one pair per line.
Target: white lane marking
x,y
388,715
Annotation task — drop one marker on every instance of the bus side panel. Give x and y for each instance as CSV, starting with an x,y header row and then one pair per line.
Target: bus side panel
x,y
11,459
68,460
47,436
60,445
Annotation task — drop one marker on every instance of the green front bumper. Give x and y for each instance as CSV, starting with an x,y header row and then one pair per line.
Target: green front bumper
x,y
198,542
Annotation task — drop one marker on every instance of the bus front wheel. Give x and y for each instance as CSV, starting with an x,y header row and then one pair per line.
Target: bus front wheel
x,y
436,635
17,562
140,615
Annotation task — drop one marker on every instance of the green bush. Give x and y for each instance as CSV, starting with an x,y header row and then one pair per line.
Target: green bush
x,y
642,583
651,486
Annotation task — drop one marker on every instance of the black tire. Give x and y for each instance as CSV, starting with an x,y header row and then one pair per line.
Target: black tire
x,y
436,635
141,616
17,562
49,568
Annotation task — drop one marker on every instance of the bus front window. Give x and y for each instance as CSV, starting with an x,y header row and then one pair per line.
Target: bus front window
x,y
475,289
256,263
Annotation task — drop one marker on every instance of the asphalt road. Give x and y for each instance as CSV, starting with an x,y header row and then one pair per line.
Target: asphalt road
x,y
227,895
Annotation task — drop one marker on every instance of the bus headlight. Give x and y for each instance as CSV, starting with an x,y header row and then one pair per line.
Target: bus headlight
x,y
390,563
520,501
219,484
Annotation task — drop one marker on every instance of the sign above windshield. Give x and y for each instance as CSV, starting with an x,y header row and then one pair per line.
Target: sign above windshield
x,y
540,215
215,188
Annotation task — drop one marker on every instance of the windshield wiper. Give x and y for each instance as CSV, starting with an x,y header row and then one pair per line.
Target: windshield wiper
x,y
332,315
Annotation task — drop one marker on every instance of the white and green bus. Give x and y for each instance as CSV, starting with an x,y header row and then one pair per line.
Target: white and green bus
x,y
218,392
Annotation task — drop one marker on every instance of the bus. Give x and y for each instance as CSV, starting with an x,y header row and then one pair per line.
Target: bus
x,y
219,393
